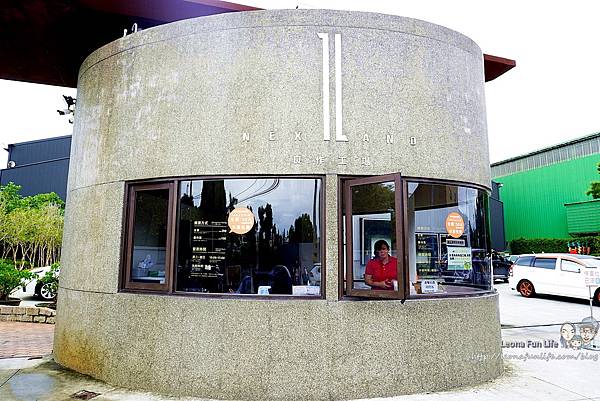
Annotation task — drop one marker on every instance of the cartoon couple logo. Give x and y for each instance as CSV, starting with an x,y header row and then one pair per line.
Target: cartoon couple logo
x,y
570,338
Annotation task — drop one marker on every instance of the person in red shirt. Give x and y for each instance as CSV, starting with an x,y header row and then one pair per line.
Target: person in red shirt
x,y
382,270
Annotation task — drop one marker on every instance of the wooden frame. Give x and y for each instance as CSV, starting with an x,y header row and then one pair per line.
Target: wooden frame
x,y
402,213
132,191
399,229
431,181
170,286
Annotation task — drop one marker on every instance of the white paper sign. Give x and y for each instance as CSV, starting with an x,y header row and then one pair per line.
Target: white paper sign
x,y
592,277
306,290
459,258
428,286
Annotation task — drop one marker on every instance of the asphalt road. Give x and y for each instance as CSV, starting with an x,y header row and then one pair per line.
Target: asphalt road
x,y
542,369
517,311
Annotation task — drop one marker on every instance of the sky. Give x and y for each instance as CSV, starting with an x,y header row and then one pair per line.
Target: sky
x,y
548,98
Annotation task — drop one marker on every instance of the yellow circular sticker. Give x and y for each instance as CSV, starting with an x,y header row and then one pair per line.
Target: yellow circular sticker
x,y
241,220
455,225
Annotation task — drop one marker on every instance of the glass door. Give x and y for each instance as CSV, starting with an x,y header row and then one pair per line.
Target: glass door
x,y
374,246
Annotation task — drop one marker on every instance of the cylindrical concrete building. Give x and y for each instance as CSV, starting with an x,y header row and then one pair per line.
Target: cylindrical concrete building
x,y
280,205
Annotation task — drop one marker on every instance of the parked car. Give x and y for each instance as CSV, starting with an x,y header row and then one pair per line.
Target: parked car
x,y
35,288
555,274
501,267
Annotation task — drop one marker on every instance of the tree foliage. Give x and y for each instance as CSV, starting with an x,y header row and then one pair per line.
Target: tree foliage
x,y
11,278
302,230
594,190
30,227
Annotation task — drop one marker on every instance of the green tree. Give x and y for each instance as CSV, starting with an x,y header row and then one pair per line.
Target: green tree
x,y
10,199
30,227
595,187
40,201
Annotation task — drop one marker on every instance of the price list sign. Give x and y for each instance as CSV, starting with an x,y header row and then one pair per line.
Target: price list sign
x,y
209,243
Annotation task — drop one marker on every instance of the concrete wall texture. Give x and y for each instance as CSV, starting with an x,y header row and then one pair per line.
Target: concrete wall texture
x,y
241,94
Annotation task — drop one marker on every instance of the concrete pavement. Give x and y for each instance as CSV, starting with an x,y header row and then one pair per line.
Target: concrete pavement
x,y
22,379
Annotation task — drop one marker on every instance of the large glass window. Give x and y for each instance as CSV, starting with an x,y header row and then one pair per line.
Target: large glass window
x,y
263,236
411,238
447,239
250,236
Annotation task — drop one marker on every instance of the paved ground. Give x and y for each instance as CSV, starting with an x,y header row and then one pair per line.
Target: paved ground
x,y
536,371
25,339
540,310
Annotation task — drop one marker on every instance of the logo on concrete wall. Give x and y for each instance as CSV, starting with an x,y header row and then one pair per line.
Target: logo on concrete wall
x,y
298,136
339,134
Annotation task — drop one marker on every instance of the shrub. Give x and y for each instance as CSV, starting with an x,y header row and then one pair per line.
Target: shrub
x,y
552,245
11,278
51,277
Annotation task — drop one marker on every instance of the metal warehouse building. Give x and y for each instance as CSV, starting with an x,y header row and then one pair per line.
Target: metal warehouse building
x,y
544,192
39,166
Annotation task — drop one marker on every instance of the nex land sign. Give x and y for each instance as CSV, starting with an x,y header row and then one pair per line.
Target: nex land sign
x,y
339,135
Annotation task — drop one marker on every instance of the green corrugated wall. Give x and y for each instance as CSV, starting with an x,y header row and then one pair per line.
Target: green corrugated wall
x,y
584,217
534,199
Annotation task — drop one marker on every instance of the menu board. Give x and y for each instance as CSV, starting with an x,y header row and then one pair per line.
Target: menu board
x,y
427,254
209,243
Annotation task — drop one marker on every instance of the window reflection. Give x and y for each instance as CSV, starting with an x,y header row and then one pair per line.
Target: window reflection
x,y
150,236
447,239
270,245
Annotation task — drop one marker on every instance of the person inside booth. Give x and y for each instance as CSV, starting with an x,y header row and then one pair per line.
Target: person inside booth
x,y
381,272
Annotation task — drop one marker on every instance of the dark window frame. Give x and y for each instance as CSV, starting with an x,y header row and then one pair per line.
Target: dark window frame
x,y
131,191
399,228
432,181
343,293
169,288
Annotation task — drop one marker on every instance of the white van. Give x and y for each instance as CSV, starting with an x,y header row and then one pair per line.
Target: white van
x,y
556,274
